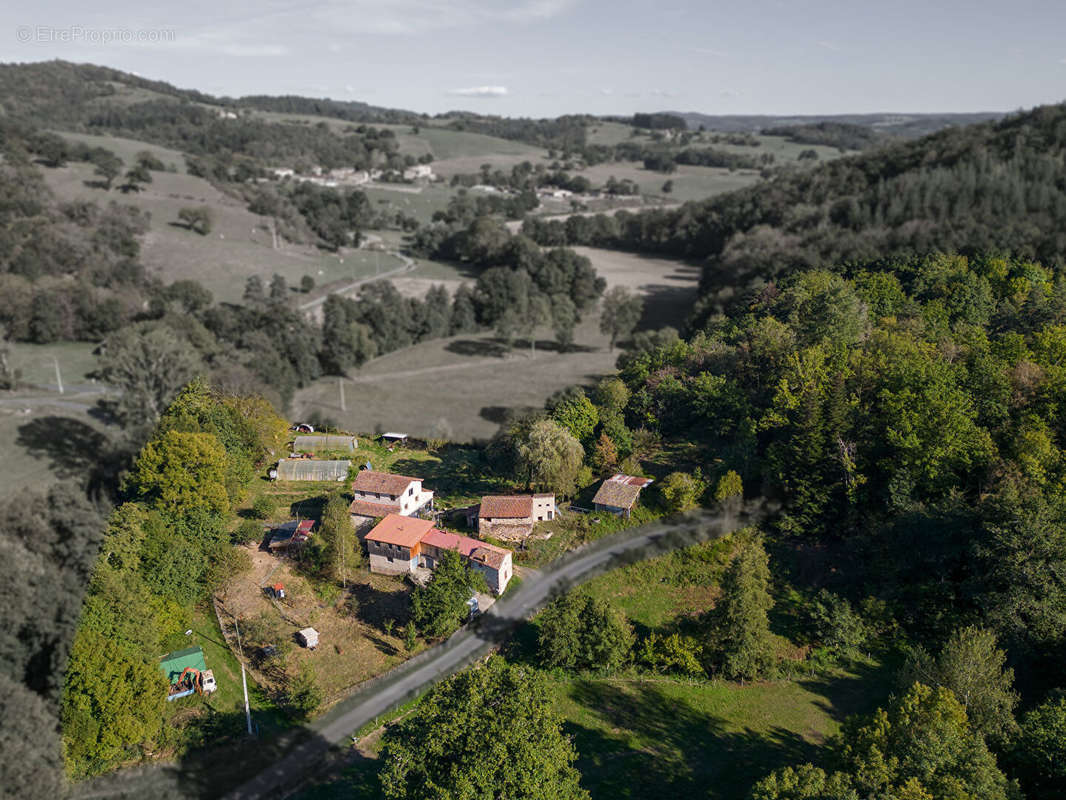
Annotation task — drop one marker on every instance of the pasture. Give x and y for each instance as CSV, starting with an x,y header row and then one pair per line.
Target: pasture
x,y
466,385
238,246
127,149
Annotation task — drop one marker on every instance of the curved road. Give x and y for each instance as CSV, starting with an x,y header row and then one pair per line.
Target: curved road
x,y
418,674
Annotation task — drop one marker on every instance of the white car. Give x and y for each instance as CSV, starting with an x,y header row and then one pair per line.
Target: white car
x,y
208,680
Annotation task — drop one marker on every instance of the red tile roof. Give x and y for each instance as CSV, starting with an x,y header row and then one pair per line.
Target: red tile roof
x,y
367,509
381,482
402,531
481,552
510,506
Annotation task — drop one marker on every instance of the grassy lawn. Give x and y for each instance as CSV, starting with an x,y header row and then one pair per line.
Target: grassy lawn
x,y
670,739
36,365
127,149
238,246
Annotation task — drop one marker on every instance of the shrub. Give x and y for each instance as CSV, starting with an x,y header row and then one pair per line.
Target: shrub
x,y
263,506
248,531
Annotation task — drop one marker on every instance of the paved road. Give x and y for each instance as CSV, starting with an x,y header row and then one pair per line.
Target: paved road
x,y
415,676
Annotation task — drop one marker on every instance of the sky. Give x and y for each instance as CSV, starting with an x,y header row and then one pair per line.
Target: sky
x,y
543,58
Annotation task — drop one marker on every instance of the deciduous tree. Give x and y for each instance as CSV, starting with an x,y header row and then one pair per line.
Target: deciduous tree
x,y
488,732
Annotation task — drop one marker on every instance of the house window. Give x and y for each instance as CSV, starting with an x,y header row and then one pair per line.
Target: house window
x,y
411,490
549,515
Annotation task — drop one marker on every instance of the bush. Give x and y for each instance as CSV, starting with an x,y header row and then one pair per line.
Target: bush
x,y
672,654
838,626
263,506
248,531
304,693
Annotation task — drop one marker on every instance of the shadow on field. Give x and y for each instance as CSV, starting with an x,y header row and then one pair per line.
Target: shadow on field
x,y
378,608
478,347
680,751
666,305
76,450
861,691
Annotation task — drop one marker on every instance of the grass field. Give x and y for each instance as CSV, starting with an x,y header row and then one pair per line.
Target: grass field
x,y
663,738
237,247
467,384
36,365
127,149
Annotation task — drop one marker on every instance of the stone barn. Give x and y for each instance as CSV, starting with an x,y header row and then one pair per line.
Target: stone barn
x,y
512,517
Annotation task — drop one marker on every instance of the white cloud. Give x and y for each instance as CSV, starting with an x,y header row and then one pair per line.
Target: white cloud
x,y
731,93
828,46
662,93
607,91
480,91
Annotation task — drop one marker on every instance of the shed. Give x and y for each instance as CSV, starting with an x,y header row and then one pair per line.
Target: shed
x,y
324,441
394,436
303,469
308,638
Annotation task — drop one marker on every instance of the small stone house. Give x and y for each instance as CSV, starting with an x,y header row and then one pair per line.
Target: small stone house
x,y
618,494
512,517
378,494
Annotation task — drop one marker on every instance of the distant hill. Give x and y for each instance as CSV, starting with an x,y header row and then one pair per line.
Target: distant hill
x,y
64,94
991,187
910,126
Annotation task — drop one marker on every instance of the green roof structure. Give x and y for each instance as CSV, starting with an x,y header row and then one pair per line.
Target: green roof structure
x,y
173,664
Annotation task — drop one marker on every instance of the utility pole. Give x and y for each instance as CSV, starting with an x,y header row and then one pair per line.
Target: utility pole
x,y
244,679
340,385
59,378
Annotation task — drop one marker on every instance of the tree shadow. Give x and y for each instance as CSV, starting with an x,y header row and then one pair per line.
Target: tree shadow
x,y
863,688
377,608
76,450
478,347
648,743
666,304
460,470
97,185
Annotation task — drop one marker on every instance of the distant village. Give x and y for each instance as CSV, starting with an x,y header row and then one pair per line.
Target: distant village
x,y
349,176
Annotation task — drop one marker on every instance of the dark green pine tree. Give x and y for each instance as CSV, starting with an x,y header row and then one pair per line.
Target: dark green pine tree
x,y
741,635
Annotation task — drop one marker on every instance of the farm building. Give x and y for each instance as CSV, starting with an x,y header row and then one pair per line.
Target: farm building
x,y
395,544
377,494
618,494
324,441
512,517
400,545
307,469
290,533
491,561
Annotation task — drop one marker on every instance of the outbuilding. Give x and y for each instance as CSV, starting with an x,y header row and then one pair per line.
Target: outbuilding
x,y
308,637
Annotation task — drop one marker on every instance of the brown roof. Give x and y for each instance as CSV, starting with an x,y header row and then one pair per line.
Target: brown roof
x,y
402,531
617,495
506,506
367,509
381,482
